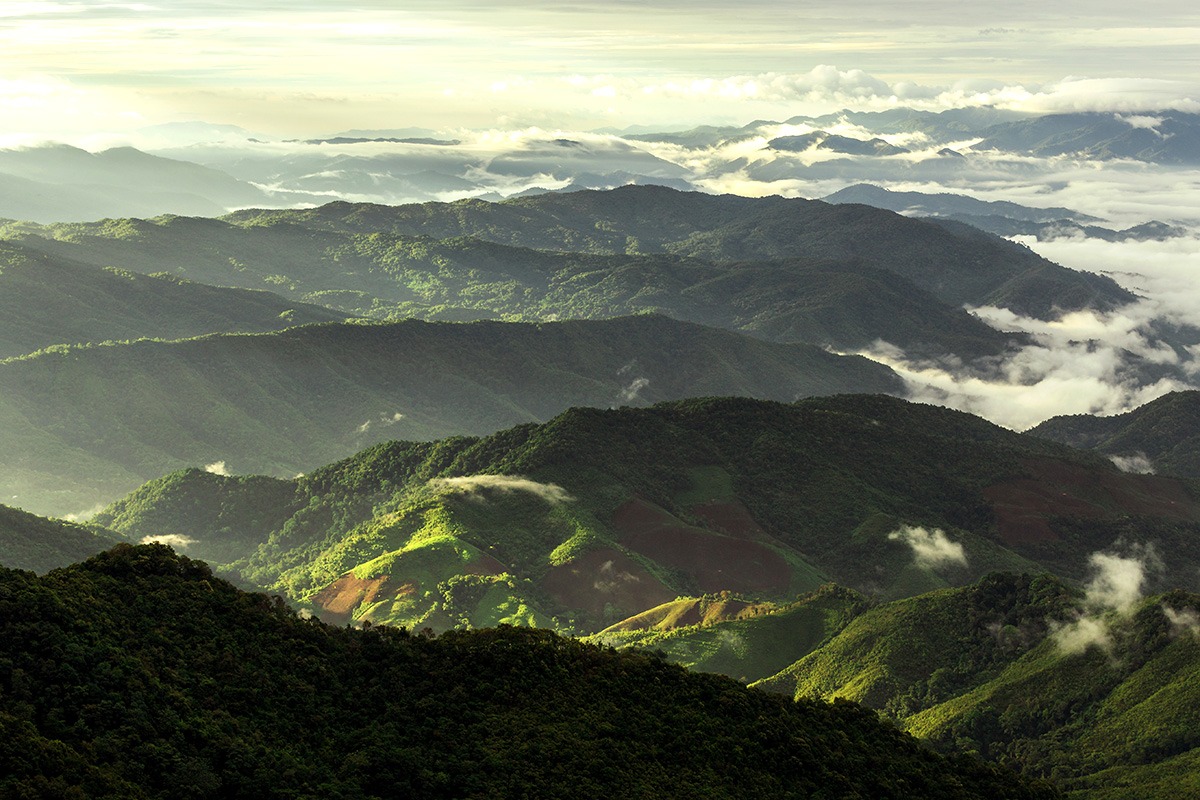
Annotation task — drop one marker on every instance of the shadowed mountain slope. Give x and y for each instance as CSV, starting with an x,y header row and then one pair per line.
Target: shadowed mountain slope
x,y
84,425
40,544
48,300
838,300
1162,436
958,265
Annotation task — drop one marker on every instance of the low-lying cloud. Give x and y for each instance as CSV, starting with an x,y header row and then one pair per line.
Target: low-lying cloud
x,y
1183,620
631,392
84,516
217,468
474,484
1137,463
382,421
931,548
175,540
1115,588
1085,362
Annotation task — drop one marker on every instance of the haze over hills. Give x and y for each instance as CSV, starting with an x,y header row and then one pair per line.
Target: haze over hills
x,y
845,304
37,544
1000,217
49,300
514,350
55,183
84,425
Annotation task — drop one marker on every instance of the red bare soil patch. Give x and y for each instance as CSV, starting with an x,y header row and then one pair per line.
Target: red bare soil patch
x,y
1024,506
602,578
716,562
337,601
484,565
731,517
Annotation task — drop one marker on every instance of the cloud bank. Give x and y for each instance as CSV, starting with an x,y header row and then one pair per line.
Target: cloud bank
x,y
473,484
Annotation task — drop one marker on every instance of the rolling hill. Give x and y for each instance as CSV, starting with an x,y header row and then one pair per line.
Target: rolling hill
x,y
39,544
845,303
792,270
84,425
47,300
597,516
1161,436
1024,672
957,265
57,182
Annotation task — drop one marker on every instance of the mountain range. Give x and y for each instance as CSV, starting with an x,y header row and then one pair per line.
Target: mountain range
x,y
85,424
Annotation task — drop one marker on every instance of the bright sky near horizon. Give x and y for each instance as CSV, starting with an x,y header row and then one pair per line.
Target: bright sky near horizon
x,y
306,67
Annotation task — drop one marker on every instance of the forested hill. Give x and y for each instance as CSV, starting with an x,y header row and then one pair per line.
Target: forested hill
x,y
959,264
40,544
286,402
52,300
1161,436
138,674
599,515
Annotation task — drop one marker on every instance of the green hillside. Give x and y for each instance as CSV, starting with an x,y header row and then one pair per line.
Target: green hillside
x,y
194,689
747,641
1021,672
48,300
85,425
1162,436
799,294
597,516
786,269
40,544
958,264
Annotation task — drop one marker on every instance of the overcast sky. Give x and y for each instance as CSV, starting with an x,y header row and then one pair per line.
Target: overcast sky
x,y
303,67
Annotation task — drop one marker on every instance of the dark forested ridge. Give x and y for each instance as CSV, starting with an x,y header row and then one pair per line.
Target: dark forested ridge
x,y
1161,436
139,674
39,544
85,425
50,300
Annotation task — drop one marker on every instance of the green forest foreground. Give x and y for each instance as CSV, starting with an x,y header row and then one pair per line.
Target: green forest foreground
x,y
139,674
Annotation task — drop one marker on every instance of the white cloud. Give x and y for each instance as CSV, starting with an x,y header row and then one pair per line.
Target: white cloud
x,y
471,484
1137,463
1082,634
1115,588
84,516
383,420
175,540
217,468
631,392
931,548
